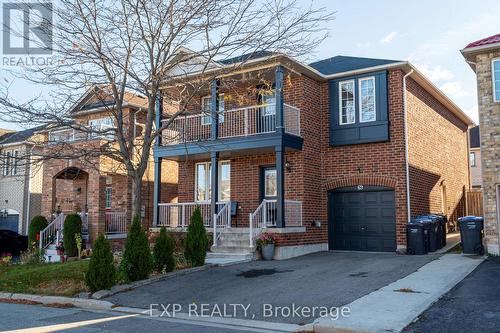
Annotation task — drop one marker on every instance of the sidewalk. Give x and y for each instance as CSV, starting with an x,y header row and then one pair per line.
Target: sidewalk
x,y
393,307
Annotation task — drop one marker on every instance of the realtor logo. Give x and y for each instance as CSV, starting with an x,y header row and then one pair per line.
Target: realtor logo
x,y
27,28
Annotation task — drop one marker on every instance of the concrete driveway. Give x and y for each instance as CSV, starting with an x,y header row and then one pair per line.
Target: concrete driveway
x,y
327,279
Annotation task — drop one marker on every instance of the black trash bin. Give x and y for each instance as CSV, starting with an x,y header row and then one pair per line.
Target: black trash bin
x,y
417,236
471,234
440,228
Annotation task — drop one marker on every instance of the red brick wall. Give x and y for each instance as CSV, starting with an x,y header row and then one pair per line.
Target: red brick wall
x,y
437,154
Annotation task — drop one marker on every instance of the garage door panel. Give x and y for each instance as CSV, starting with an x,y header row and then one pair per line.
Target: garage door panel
x,y
363,220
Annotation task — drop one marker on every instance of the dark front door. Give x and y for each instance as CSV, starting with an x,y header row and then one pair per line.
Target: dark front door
x,y
9,222
362,218
268,191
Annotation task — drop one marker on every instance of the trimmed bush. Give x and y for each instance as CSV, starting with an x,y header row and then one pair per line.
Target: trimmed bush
x,y
101,273
38,223
137,262
163,252
72,226
195,246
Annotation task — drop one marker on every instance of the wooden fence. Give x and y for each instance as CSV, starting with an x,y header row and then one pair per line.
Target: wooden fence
x,y
474,203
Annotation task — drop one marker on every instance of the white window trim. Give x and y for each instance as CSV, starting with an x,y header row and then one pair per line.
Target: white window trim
x,y
209,117
15,156
340,101
99,125
472,153
110,189
6,163
372,78
495,100
208,180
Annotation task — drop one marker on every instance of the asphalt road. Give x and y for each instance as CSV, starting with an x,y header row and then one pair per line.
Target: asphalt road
x,y
33,318
326,279
471,306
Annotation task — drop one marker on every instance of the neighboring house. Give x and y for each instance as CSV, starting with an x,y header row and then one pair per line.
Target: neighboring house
x,y
321,155
475,158
20,180
97,187
484,58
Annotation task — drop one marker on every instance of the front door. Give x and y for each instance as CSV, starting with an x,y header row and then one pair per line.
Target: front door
x,y
267,112
268,191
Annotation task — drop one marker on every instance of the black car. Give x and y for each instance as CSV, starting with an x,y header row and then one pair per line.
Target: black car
x,y
13,243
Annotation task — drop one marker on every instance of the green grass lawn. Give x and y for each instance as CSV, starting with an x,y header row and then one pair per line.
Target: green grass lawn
x,y
58,279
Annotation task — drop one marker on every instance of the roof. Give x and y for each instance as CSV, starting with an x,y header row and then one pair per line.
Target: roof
x,y
485,41
474,141
247,56
20,136
341,64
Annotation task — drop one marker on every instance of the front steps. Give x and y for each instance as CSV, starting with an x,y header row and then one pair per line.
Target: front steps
x,y
51,254
232,247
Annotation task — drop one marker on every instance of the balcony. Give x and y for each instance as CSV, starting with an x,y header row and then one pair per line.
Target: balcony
x,y
236,123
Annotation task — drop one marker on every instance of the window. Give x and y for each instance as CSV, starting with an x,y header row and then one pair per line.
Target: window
x,y
100,125
109,196
206,102
203,191
6,163
269,100
270,189
346,100
367,110
495,66
472,156
15,155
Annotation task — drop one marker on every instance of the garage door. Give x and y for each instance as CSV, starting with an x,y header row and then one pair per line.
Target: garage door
x,y
9,222
362,218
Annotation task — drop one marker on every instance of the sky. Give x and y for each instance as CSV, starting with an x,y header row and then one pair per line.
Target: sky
x,y
427,33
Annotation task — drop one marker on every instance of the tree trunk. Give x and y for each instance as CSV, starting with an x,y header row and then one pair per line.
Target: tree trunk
x,y
136,196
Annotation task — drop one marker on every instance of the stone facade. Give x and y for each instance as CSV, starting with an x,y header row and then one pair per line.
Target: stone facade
x,y
489,119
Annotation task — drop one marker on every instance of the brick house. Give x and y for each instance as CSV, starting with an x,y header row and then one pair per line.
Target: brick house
x,y
321,155
20,180
475,158
484,58
95,186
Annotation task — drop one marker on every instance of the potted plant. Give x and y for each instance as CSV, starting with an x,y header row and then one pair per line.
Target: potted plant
x,y
60,249
265,243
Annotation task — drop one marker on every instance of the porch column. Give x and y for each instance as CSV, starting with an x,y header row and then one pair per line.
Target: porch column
x,y
214,109
157,165
214,181
280,117
280,186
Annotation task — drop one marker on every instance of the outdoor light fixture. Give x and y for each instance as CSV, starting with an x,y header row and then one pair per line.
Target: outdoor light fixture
x,y
78,190
317,223
288,166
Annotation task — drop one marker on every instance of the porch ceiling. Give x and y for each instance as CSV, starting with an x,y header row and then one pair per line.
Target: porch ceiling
x,y
71,173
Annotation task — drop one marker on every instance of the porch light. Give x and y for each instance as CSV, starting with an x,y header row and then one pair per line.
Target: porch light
x,y
78,190
288,166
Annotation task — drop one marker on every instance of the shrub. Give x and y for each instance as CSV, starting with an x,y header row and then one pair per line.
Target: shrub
x,y
38,223
32,256
195,245
137,262
101,273
163,252
72,226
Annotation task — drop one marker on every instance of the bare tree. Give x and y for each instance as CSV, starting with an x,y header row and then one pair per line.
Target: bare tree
x,y
125,47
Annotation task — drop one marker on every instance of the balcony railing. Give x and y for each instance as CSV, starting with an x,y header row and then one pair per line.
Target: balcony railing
x,y
116,222
247,121
179,214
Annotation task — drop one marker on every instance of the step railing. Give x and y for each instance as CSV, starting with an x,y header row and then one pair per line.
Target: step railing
x,y
178,215
116,222
266,216
52,233
222,221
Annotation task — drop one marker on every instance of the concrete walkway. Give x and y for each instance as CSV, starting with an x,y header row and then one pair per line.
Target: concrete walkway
x,y
393,307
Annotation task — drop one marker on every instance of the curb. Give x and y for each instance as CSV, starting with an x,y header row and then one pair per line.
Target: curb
x,y
56,301
130,286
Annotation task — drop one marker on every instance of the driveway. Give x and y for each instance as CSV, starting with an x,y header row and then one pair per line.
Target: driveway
x,y
329,279
472,306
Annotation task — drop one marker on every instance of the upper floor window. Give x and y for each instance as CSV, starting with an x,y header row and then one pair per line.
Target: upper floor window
x,y
10,161
472,157
346,102
100,125
367,107
206,103
109,196
495,66
268,100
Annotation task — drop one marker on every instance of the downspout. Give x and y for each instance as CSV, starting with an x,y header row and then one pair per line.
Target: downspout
x,y
29,192
408,206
